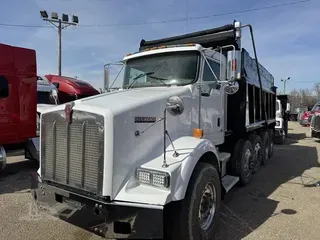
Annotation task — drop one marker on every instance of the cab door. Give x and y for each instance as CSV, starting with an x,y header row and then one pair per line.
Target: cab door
x,y
9,101
212,103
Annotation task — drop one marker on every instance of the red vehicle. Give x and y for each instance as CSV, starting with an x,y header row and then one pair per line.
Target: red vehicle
x,y
18,96
306,116
71,89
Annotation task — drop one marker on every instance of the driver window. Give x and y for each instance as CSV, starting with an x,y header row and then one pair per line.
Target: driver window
x,y
208,76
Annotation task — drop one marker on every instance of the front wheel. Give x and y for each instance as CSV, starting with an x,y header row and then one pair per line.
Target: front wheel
x,y
197,215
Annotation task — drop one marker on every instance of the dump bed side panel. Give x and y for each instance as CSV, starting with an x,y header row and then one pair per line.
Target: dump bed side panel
x,y
251,73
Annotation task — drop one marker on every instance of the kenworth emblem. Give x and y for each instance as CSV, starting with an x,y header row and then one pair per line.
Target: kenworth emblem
x,y
68,111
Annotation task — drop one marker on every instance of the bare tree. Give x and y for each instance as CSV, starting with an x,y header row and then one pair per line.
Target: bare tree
x,y
316,90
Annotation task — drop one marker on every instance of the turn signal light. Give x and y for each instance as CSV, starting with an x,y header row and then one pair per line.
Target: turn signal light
x,y
198,133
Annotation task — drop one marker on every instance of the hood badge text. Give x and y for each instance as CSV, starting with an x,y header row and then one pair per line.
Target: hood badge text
x,y
145,119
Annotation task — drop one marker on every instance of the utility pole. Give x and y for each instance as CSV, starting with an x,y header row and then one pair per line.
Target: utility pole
x,y
60,24
284,84
59,47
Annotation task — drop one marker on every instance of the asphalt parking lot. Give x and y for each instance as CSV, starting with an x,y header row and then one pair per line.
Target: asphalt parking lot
x,y
281,202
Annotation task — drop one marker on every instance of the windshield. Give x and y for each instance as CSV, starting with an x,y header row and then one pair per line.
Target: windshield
x,y
45,98
174,68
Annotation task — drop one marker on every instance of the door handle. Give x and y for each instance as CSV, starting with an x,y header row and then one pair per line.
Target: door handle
x,y
218,122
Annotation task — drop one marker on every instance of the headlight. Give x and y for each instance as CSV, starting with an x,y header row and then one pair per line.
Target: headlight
x,y
277,123
154,178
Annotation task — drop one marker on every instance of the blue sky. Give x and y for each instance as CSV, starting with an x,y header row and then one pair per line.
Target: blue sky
x,y
286,37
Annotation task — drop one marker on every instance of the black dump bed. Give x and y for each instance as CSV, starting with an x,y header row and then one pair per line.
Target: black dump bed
x,y
220,36
254,104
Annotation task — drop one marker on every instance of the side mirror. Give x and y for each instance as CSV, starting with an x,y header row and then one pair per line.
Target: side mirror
x,y
106,79
231,88
234,65
56,84
175,105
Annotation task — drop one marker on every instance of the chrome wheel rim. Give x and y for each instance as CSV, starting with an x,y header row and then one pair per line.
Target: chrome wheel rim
x,y
246,166
207,206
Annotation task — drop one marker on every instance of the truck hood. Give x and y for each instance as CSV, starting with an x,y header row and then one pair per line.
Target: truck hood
x,y
43,107
127,112
124,100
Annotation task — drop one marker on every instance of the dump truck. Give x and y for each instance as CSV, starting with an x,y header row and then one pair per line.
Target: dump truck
x,y
195,117
282,118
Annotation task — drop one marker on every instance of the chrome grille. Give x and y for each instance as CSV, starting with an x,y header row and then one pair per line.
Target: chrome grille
x,y
72,153
315,122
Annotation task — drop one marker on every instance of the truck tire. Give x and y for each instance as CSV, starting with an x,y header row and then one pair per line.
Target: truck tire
x,y
241,161
271,142
203,195
265,147
256,144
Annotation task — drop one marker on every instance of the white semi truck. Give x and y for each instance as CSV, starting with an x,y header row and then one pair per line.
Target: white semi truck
x,y
195,116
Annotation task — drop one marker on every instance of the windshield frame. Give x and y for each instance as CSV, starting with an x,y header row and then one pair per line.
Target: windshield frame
x,y
126,69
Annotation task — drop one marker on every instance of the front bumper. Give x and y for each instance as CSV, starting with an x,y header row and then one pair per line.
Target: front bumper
x,y
109,220
279,133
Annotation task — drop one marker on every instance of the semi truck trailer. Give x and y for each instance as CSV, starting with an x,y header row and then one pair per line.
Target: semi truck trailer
x,y
194,118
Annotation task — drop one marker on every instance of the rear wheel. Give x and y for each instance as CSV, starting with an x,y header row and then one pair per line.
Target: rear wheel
x,y
256,143
271,142
242,161
197,215
265,147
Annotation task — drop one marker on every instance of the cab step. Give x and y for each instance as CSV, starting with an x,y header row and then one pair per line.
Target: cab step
x,y
229,181
224,158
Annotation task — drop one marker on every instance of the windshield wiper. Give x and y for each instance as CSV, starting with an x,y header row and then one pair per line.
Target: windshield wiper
x,y
139,76
160,79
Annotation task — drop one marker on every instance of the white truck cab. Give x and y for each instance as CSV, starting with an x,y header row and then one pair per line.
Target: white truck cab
x,y
279,122
282,116
188,124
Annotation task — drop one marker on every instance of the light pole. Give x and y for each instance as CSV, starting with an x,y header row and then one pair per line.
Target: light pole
x,y
60,23
284,84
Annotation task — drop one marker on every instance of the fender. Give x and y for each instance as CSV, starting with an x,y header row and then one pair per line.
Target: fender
x,y
179,168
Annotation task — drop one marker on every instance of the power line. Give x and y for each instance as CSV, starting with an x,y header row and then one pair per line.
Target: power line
x,y
24,26
167,21
199,17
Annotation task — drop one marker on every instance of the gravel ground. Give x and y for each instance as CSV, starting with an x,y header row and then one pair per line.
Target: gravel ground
x,y
281,202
